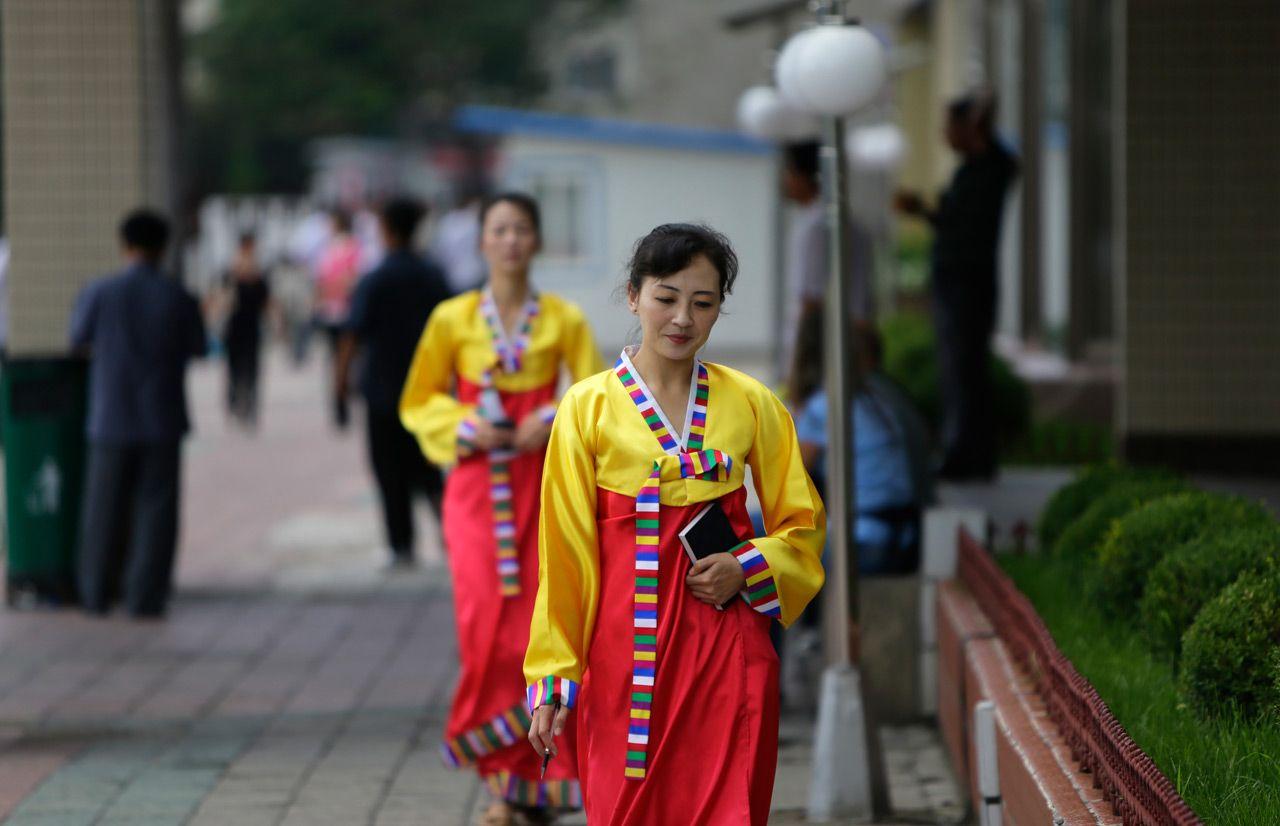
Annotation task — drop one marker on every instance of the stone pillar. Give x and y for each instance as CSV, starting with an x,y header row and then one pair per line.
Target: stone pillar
x,y
1199,237
91,101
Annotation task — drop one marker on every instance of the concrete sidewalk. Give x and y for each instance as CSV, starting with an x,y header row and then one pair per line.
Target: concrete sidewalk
x,y
294,681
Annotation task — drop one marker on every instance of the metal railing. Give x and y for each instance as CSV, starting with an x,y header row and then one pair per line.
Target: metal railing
x,y
1137,790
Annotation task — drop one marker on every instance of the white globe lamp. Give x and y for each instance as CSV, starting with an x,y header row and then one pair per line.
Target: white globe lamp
x,y
876,148
762,112
831,69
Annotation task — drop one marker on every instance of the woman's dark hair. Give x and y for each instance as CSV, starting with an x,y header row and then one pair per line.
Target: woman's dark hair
x,y
247,238
670,248
145,230
807,360
521,201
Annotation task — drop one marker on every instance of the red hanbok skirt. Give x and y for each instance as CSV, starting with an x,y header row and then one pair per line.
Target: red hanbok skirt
x,y
488,721
713,730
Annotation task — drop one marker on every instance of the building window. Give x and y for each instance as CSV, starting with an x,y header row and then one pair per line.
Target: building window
x,y
592,71
562,199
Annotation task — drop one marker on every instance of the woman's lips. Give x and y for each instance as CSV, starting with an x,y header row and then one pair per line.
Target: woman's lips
x,y
680,339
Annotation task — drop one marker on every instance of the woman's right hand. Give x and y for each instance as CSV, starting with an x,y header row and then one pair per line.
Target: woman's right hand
x,y
548,724
489,437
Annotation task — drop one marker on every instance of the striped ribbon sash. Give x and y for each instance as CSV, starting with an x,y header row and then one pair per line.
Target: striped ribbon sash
x,y
510,354
504,521
694,462
500,495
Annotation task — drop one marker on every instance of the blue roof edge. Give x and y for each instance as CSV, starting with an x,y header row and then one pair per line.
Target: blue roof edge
x,y
497,120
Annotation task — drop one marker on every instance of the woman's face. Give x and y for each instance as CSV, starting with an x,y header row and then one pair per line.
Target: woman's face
x,y
508,239
678,311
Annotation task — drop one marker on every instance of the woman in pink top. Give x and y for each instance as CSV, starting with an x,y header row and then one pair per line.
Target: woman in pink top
x,y
336,277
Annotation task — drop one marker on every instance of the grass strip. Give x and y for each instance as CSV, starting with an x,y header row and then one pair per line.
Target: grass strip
x,y
1227,769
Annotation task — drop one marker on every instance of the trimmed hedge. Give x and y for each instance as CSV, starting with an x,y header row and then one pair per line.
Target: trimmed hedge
x,y
1229,652
1081,539
1075,497
1141,539
1194,573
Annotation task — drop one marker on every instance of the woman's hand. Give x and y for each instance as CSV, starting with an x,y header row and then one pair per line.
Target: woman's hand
x,y
716,578
532,432
544,729
489,437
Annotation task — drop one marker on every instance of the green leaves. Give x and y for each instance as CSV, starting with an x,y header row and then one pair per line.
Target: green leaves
x,y
268,77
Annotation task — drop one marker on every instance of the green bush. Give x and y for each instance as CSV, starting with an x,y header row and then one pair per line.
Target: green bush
x,y
1143,537
1229,652
1195,572
1075,497
1062,442
1081,539
911,359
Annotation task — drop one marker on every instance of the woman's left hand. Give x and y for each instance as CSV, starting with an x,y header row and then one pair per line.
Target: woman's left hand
x,y
716,578
532,433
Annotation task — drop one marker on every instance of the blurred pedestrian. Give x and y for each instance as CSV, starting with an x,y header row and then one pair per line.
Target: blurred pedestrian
x,y
678,712
457,240
140,329
389,311
966,226
890,455
250,297
336,276
808,250
306,247
481,395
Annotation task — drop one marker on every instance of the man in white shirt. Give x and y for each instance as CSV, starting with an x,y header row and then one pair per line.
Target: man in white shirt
x,y
807,249
456,244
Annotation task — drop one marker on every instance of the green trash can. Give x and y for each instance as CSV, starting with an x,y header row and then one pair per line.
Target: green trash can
x,y
43,404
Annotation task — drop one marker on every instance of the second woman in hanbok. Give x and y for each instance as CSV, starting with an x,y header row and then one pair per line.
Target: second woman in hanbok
x,y
480,396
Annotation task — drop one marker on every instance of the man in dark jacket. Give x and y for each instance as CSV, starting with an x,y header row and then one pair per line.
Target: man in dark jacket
x,y
140,328
389,310
967,233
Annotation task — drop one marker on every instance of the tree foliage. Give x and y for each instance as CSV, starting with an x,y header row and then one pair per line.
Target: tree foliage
x,y
267,77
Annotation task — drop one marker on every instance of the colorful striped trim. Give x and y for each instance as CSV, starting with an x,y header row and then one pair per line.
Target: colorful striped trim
x,y
711,465
762,592
467,436
545,691
510,351
506,729
698,421
645,405
504,522
645,620
558,794
547,413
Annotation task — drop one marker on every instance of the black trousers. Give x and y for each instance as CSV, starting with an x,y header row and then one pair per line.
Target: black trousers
x,y
243,360
129,526
965,326
400,470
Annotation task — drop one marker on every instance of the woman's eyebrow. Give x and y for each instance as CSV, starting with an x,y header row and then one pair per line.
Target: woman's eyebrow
x,y
695,292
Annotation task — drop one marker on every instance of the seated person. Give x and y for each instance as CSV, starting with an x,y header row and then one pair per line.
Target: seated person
x,y
890,452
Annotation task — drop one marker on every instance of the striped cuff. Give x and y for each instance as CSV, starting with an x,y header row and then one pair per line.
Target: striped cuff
x,y
545,691
761,591
547,413
467,436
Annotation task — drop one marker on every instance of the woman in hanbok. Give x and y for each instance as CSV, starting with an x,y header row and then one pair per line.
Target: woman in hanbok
x,y
675,699
481,396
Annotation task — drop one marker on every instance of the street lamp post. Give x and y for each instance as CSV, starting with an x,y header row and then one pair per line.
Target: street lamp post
x,y
832,70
